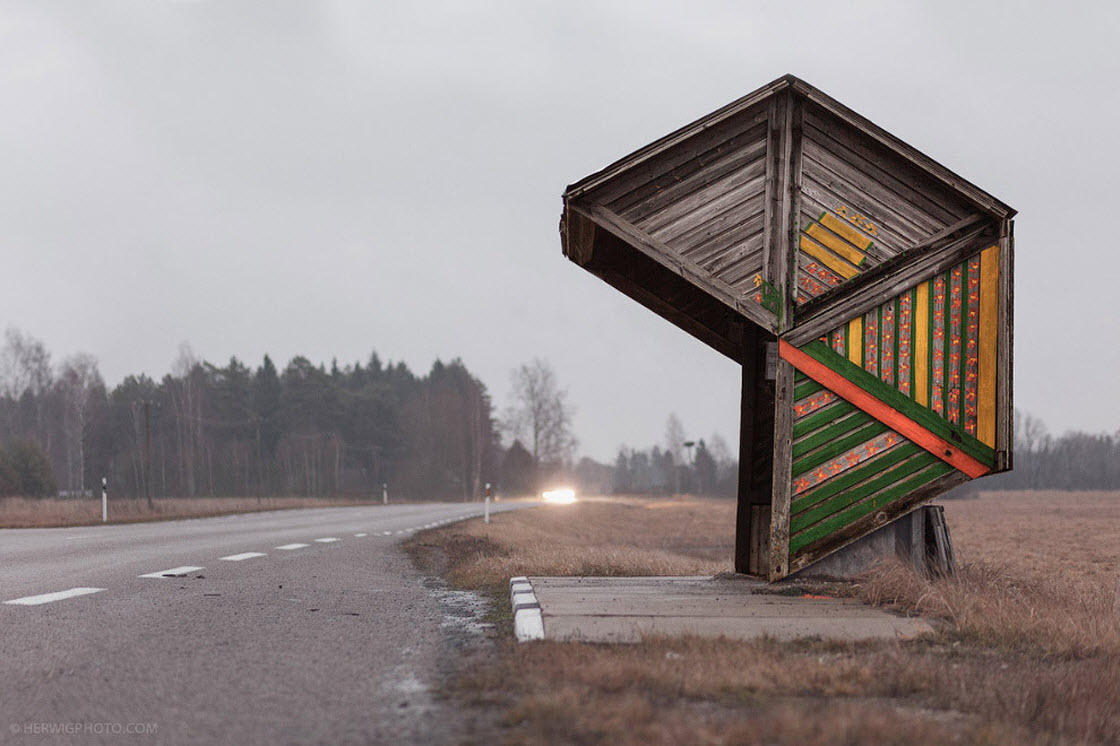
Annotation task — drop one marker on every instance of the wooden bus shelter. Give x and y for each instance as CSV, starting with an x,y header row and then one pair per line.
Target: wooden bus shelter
x,y
865,289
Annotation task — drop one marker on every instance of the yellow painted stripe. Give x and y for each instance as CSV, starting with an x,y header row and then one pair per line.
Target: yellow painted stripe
x,y
845,231
921,344
989,331
838,245
837,265
855,340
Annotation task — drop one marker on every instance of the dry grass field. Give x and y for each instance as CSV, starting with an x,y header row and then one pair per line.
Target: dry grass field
x,y
1027,652
19,512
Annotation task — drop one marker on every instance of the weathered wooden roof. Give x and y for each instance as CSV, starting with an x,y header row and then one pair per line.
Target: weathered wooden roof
x,y
704,203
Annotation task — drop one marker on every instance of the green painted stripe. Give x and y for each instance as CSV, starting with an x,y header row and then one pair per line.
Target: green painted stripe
x,y
845,517
844,499
838,447
821,417
854,476
808,388
830,433
798,376
897,401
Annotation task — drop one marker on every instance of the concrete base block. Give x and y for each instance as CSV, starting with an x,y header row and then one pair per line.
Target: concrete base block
x,y
920,538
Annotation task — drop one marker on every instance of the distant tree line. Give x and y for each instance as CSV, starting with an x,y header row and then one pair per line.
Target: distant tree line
x,y
1074,461
683,466
205,429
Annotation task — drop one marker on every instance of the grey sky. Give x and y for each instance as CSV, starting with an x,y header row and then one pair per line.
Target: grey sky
x,y
329,178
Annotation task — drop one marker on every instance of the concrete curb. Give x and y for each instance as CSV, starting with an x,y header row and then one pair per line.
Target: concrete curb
x,y
527,621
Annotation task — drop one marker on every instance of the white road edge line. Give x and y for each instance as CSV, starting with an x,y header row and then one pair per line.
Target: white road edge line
x,y
46,598
243,556
328,539
288,547
173,571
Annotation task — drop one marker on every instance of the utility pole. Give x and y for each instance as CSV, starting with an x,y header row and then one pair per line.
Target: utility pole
x,y
689,444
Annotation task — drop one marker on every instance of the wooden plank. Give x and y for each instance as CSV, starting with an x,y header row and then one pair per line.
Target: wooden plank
x,y
971,192
852,477
855,341
738,265
939,242
989,333
827,258
805,388
661,290
860,294
893,235
870,504
805,425
835,243
578,236
696,173
921,344
846,231
686,214
890,397
634,162
664,256
904,424
791,217
775,154
865,525
869,429
883,478
783,460
715,244
883,178
815,201
746,533
1005,434
629,183
826,435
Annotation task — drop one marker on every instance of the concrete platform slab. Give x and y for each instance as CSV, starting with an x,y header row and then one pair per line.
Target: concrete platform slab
x,y
626,609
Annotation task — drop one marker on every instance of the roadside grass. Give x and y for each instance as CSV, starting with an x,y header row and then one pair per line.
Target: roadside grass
x,y
19,512
1027,652
616,537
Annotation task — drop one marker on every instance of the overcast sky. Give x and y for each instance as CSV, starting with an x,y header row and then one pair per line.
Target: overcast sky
x,y
332,178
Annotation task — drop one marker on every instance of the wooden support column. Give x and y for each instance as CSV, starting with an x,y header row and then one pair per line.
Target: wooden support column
x,y
748,406
1005,425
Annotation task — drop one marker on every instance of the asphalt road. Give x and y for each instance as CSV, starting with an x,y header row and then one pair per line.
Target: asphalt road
x,y
303,626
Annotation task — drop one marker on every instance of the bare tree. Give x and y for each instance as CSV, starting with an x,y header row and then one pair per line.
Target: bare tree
x,y
25,368
1032,438
674,444
540,414
78,383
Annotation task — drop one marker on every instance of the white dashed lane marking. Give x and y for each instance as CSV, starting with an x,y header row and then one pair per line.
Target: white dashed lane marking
x,y
388,533
243,556
359,536
46,598
289,547
172,572
327,540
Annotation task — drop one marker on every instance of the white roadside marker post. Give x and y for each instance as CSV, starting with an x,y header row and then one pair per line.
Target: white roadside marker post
x,y
104,499
486,510
384,493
